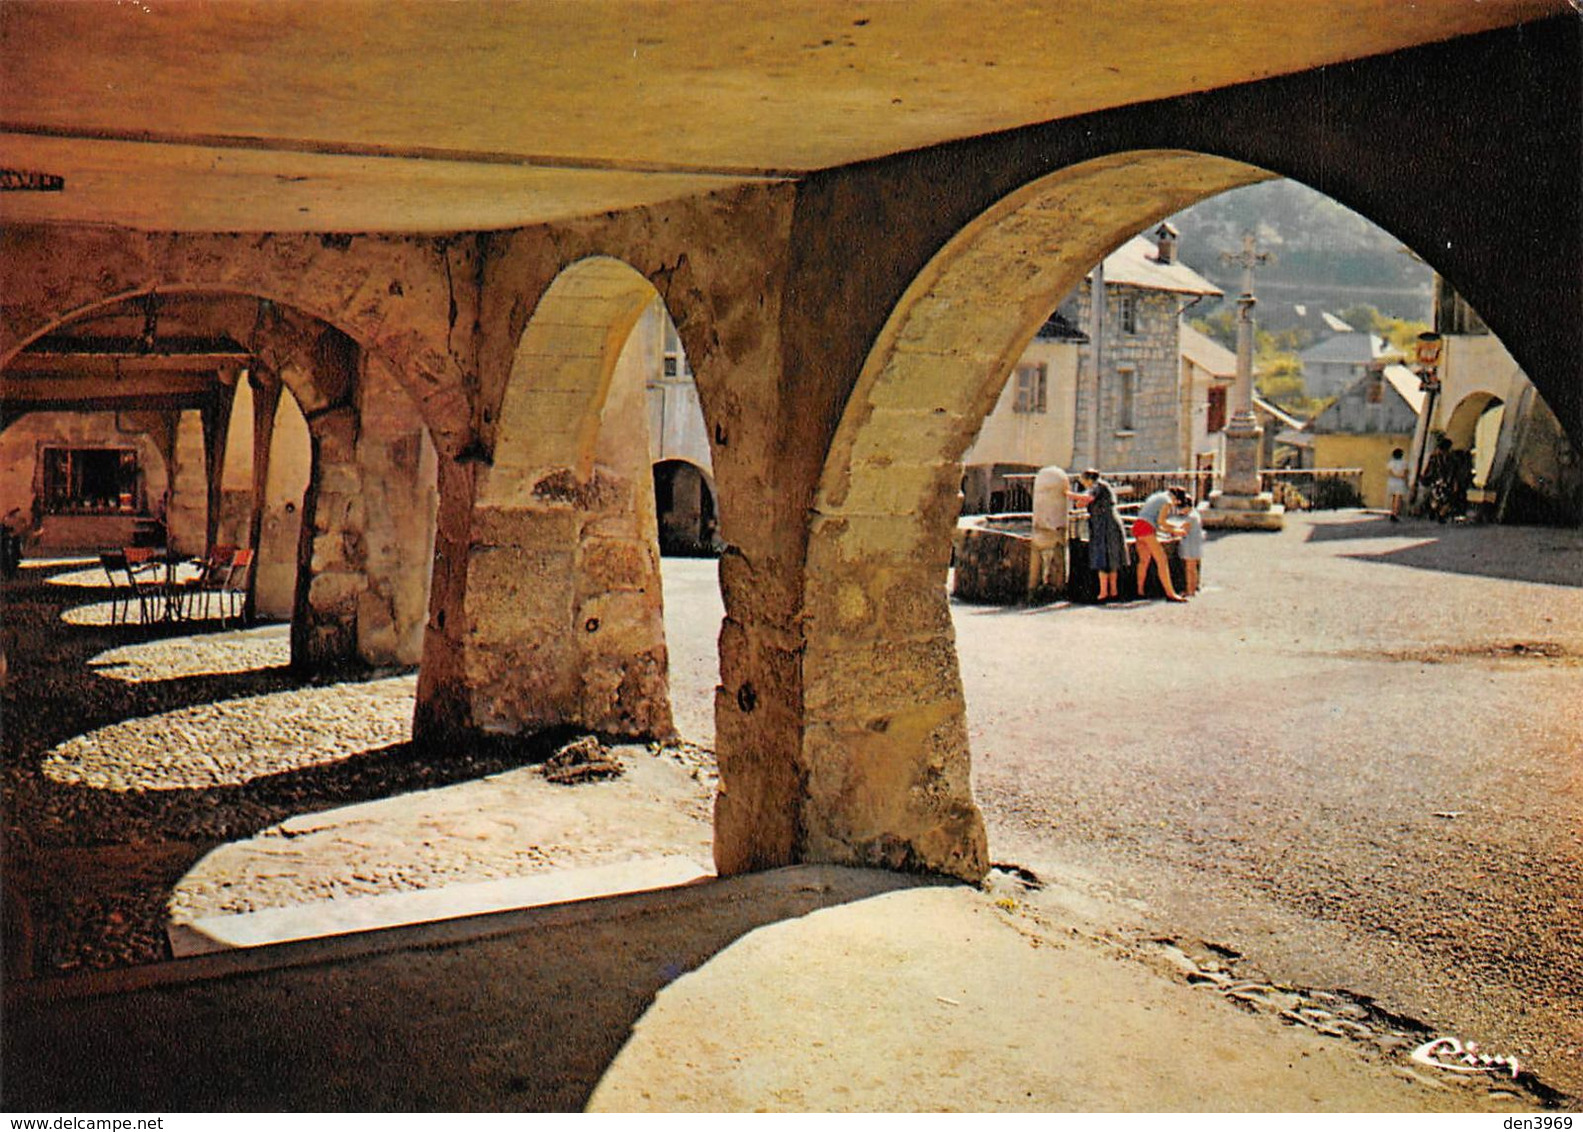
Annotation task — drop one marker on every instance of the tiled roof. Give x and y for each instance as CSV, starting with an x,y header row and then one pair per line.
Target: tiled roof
x,y
1276,413
1134,264
1353,347
1207,354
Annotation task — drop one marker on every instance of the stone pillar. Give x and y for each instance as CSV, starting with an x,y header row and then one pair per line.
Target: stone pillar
x,y
331,551
398,464
187,513
1239,504
546,607
216,430
282,473
1048,567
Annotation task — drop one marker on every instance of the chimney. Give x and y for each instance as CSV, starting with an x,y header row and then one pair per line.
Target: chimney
x,y
1165,243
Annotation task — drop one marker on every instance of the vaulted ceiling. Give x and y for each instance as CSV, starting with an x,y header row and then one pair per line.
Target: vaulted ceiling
x,y
418,115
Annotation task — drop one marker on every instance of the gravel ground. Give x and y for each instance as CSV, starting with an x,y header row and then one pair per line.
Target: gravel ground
x,y
1352,764
1353,760
155,773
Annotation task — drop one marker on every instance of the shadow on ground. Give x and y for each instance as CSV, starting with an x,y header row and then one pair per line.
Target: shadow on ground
x,y
520,1010
88,870
1545,555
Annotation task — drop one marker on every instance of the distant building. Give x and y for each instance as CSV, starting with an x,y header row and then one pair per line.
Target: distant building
x,y
1309,317
1337,362
1208,372
1525,469
1032,424
1148,409
684,491
1133,413
1371,417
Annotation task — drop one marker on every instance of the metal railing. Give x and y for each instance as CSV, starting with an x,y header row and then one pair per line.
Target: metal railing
x,y
1299,489
1314,489
1137,485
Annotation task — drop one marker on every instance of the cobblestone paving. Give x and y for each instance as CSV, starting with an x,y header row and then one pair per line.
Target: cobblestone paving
x,y
236,741
172,771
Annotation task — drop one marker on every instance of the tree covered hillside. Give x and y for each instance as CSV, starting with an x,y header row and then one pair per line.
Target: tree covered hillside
x,y
1327,256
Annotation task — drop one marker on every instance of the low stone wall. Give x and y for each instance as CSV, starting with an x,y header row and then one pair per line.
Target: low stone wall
x,y
994,556
1083,583
994,559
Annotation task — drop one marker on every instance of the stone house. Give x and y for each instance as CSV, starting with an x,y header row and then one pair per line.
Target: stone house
x,y
1334,364
1374,415
1033,422
1208,371
1150,408
1133,412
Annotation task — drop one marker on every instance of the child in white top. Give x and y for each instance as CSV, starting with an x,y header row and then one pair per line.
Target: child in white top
x,y
1191,549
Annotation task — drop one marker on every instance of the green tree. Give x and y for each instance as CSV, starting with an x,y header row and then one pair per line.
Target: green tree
x,y
1278,376
1220,326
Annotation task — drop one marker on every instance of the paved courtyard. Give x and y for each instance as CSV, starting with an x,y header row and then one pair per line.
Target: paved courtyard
x,y
1351,763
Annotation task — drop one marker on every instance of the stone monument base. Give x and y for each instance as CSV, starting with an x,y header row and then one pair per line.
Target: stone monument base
x,y
1227,512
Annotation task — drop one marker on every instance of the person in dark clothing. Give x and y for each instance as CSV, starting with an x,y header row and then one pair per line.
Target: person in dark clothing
x,y
1107,541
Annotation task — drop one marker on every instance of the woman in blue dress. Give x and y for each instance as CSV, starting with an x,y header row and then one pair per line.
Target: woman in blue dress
x,y
1107,540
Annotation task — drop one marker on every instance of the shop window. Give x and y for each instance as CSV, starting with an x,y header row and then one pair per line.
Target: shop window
x,y
90,481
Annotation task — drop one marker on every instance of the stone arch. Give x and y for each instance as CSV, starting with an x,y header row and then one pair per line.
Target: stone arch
x,y
337,598
562,610
685,508
885,752
395,296
1474,425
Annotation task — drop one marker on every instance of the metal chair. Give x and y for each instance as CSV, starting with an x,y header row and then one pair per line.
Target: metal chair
x,y
211,580
237,580
122,591
146,575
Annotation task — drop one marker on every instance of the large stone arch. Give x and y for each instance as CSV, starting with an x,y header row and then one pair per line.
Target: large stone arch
x,y
401,298
886,759
347,604
560,604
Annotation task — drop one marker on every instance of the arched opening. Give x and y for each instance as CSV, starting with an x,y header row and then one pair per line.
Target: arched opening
x,y
1203,733
1475,427
559,631
880,532
684,503
284,438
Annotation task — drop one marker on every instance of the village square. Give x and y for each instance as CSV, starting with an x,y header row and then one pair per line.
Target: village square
x,y
904,578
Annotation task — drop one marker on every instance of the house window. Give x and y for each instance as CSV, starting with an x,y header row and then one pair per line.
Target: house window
x,y
1031,389
1126,399
1128,306
675,358
1217,408
91,480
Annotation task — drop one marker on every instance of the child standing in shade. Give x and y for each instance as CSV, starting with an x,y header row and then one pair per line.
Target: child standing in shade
x,y
1191,549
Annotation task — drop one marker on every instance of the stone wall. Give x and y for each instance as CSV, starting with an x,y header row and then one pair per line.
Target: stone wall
x,y
1153,354
22,467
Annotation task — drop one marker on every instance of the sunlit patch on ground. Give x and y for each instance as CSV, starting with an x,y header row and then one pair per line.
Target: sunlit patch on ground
x,y
88,573
236,741
241,650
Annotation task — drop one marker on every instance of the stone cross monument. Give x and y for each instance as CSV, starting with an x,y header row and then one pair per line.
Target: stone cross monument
x,y
1239,504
